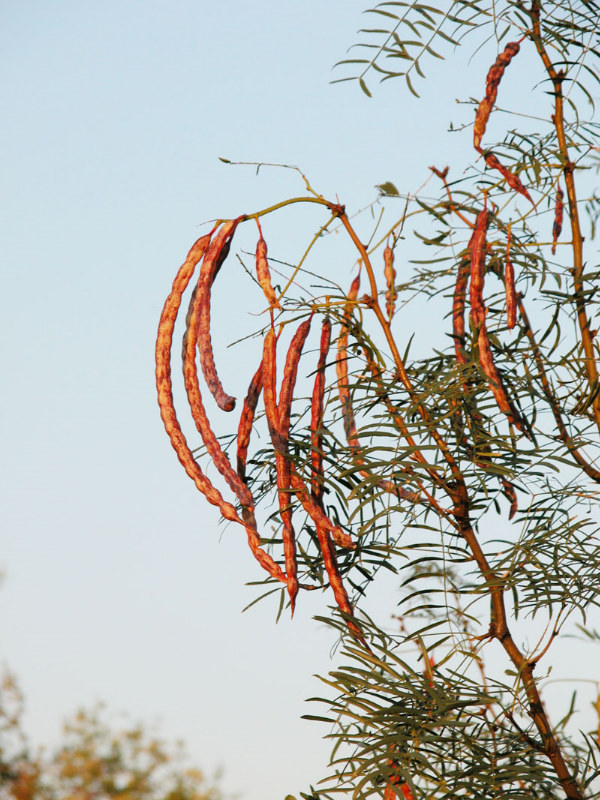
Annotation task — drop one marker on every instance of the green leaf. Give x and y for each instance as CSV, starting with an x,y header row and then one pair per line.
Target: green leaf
x,y
363,86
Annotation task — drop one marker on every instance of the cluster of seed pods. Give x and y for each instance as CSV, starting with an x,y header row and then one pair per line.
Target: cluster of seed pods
x,y
210,252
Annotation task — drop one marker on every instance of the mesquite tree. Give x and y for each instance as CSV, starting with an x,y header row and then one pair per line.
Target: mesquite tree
x,y
472,470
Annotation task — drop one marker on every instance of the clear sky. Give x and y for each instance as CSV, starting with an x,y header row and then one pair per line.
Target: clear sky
x,y
119,583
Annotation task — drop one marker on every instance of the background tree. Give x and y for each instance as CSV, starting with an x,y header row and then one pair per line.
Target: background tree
x,y
95,760
467,466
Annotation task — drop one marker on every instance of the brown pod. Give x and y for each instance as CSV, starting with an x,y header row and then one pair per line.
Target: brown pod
x,y
493,79
164,385
341,368
316,513
488,367
478,313
282,463
390,279
477,272
282,459
558,218
290,373
263,272
513,180
247,420
316,415
214,258
509,287
219,458
459,302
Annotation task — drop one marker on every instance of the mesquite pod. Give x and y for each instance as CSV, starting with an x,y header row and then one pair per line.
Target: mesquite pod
x,y
192,387
558,218
283,463
263,272
478,314
341,367
164,385
390,278
484,110
316,415
509,287
316,513
214,258
214,450
458,304
513,180
247,420
493,79
477,273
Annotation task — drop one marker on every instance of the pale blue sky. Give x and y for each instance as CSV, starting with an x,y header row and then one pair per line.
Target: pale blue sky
x,y
119,584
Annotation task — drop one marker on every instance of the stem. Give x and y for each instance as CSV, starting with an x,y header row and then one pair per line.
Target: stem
x,y
563,433
568,167
402,374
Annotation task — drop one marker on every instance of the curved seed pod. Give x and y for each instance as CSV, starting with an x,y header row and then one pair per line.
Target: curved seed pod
x,y
192,387
282,459
281,462
493,79
316,415
262,271
289,376
509,287
478,313
213,447
164,385
316,513
214,258
341,368
513,180
477,272
390,279
247,420
558,218
458,304
486,361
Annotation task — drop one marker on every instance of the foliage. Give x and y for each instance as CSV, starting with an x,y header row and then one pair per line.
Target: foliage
x,y
470,468
94,761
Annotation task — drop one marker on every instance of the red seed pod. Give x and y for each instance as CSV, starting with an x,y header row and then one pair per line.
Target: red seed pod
x,y
247,420
214,258
488,367
478,314
341,368
493,79
390,279
282,459
513,180
509,287
458,304
214,449
289,376
336,582
192,387
316,513
164,386
558,218
477,272
316,415
263,272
